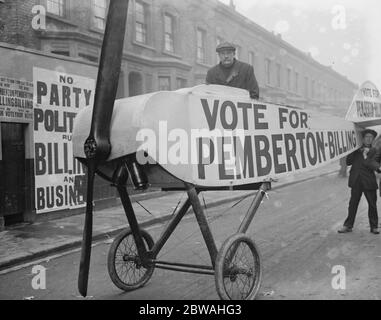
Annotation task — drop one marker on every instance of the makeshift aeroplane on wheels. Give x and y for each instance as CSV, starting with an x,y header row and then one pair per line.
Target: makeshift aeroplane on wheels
x,y
196,139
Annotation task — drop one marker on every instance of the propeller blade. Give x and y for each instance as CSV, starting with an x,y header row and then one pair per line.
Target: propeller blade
x,y
97,146
98,143
84,265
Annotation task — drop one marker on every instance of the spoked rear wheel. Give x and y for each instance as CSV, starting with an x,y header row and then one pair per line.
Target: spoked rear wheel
x,y
238,269
124,264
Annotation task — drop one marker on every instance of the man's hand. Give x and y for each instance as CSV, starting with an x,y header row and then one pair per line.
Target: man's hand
x,y
365,152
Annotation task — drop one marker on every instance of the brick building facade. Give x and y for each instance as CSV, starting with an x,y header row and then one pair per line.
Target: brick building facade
x,y
169,44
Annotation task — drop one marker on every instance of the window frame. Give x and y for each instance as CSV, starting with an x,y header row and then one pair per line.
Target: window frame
x,y
268,71
306,87
203,59
65,53
144,23
172,34
289,79
58,2
168,77
95,17
251,57
219,40
88,57
184,82
238,52
278,74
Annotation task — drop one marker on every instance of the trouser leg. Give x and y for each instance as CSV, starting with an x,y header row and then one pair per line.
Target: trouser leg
x,y
343,168
356,194
371,197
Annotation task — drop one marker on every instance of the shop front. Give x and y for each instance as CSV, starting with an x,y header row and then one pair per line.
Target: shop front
x,y
16,120
40,95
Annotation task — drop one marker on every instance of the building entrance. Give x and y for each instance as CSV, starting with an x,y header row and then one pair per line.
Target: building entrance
x,y
12,172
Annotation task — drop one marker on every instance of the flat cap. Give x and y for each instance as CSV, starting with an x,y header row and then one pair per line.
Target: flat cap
x,y
225,46
370,131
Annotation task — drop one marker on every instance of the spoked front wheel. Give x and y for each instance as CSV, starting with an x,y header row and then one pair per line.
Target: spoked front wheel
x,y
124,264
238,272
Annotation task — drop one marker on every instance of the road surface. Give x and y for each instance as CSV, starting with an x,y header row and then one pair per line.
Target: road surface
x,y
295,230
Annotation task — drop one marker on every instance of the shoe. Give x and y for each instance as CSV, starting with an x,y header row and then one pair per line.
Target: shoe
x,y
345,230
374,231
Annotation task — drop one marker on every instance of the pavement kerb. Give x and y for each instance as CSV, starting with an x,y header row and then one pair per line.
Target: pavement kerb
x,y
114,231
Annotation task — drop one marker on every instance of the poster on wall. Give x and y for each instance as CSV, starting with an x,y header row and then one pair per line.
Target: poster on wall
x,y
59,178
16,100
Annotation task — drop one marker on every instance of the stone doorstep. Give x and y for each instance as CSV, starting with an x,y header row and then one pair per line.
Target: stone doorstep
x,y
2,223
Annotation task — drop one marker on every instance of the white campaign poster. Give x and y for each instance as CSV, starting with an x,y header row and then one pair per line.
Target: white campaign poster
x,y
59,178
366,105
16,100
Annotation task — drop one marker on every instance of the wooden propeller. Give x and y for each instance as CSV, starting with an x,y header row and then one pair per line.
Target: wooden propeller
x,y
97,146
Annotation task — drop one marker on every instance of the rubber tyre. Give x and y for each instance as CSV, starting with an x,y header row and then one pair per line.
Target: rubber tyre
x,y
222,275
144,274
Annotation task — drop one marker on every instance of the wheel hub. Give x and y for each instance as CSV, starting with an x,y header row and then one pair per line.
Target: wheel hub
x,y
133,259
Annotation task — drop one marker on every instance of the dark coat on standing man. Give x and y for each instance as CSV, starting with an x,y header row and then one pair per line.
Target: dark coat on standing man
x,y
239,75
363,169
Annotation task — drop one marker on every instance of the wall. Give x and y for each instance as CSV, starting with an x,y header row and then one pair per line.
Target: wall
x,y
18,64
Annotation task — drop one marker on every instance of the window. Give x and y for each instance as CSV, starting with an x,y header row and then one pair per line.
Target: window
x,y
313,89
169,33
164,83
323,93
278,75
120,93
88,57
268,71
296,84
100,7
306,91
251,58
141,22
56,7
201,51
181,83
135,84
219,40
317,89
61,52
238,52
289,79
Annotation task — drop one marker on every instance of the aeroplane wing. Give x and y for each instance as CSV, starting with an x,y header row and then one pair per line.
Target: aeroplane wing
x,y
217,136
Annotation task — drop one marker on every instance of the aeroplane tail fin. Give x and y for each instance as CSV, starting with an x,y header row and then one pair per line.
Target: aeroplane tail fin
x,y
365,109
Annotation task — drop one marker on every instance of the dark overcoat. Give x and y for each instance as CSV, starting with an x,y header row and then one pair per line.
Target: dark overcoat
x,y
241,76
363,169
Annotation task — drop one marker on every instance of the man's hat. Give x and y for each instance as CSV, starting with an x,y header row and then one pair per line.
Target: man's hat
x,y
370,131
225,46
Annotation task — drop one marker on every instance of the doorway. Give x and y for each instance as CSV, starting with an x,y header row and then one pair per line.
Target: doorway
x,y
12,172
135,84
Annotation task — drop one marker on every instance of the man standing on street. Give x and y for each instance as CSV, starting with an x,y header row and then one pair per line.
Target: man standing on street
x,y
231,72
362,179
